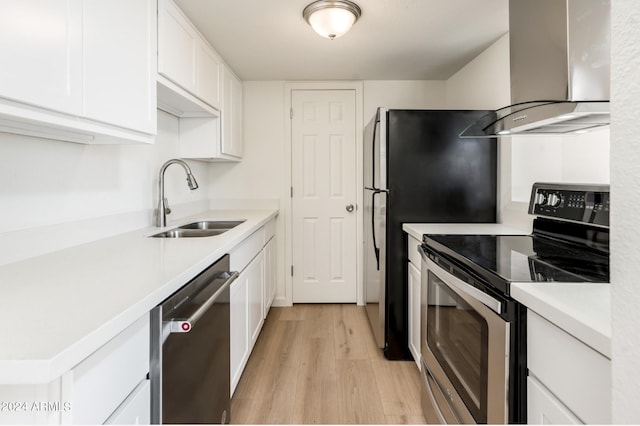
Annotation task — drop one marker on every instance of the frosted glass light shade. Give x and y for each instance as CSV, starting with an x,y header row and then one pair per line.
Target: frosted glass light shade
x,y
331,19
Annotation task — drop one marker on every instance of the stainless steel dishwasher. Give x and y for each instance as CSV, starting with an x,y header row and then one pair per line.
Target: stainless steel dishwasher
x,y
190,351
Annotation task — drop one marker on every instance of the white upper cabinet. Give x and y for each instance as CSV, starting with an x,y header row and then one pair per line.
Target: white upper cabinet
x,y
119,83
195,85
41,43
185,58
232,115
208,75
79,70
178,42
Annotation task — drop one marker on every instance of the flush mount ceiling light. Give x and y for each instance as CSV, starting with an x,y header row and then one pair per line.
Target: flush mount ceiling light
x,y
331,18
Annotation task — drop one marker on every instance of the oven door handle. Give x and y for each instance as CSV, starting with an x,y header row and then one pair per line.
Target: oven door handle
x,y
458,285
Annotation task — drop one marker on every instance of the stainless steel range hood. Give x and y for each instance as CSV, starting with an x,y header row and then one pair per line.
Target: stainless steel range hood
x,y
560,69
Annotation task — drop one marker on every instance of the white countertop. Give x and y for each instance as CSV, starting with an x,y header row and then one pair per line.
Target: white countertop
x,y
58,308
581,309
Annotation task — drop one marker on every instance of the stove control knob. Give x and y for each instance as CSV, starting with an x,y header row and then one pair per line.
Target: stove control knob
x,y
540,198
554,200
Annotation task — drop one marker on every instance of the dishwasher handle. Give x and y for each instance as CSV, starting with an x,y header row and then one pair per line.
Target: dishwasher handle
x,y
184,325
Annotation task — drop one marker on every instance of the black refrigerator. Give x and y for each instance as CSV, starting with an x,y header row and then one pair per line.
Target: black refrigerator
x,y
417,170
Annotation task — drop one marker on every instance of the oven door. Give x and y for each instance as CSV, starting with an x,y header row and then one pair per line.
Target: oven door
x,y
465,348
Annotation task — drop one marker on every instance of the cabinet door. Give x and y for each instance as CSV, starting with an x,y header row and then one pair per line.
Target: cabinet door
x,y
98,385
178,44
414,312
120,66
231,115
237,118
208,75
239,328
269,274
255,275
136,409
544,408
41,47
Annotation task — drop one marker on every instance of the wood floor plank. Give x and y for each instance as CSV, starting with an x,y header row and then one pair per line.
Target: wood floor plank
x,y
358,399
399,384
405,420
352,332
317,387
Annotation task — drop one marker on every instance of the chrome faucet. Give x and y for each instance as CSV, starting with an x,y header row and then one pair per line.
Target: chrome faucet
x,y
163,205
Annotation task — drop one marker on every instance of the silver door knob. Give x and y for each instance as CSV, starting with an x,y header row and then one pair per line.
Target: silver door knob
x,y
350,208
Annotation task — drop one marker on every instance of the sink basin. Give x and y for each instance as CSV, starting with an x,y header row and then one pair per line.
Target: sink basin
x,y
189,233
204,228
212,224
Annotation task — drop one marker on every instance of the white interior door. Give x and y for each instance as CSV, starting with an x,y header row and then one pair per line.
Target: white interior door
x,y
323,139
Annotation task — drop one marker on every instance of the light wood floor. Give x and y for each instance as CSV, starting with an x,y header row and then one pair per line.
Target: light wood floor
x,y
318,364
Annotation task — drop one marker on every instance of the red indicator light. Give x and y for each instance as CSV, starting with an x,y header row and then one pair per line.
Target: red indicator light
x,y
185,326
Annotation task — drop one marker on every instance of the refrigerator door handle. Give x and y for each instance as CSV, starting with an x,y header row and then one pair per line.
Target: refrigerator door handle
x,y
373,150
376,249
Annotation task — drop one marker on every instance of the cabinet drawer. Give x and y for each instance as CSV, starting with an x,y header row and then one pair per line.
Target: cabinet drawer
x,y
544,408
578,375
242,254
412,250
136,409
103,381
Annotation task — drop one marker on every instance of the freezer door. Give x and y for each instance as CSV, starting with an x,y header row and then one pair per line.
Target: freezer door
x,y
375,151
375,211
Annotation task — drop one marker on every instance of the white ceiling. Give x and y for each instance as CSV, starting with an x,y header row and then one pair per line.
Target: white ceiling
x,y
392,40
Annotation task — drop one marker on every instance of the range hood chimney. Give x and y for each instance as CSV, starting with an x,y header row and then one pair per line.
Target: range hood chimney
x,y
560,69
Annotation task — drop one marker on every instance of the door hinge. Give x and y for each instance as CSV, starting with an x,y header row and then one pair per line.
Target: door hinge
x,y
290,112
291,270
292,192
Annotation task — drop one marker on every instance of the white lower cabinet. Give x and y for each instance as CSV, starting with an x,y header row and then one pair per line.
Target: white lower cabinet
x,y
569,379
102,382
255,286
270,271
414,312
413,289
136,409
543,408
239,322
256,261
110,385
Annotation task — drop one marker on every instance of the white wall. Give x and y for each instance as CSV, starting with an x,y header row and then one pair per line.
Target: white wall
x,y
47,182
409,94
575,159
484,83
625,232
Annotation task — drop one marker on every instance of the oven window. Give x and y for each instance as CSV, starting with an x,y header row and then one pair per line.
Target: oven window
x,y
458,337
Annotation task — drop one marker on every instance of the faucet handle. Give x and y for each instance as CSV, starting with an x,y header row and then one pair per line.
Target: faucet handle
x,y
167,209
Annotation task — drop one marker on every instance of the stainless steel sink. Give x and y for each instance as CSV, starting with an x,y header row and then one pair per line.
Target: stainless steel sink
x,y
204,228
212,224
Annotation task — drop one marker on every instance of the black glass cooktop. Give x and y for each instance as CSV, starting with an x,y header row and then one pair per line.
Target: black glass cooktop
x,y
522,258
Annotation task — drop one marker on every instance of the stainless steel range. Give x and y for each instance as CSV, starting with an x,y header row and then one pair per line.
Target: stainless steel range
x,y
473,332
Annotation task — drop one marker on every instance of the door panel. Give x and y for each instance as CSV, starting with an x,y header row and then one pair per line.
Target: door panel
x,y
41,45
324,182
